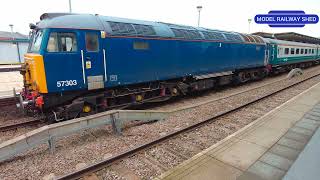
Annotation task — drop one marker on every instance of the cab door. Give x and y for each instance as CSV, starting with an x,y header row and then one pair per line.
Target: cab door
x,y
62,60
93,60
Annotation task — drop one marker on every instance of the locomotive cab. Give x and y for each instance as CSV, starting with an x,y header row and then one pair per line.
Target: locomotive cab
x,y
61,62
33,75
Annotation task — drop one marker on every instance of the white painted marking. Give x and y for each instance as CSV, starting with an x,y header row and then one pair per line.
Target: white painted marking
x,y
105,65
83,73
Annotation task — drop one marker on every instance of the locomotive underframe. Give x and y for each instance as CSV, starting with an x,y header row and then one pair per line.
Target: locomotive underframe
x,y
276,69
68,105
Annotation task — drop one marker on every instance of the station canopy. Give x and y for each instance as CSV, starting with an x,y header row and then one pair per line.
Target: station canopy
x,y
290,36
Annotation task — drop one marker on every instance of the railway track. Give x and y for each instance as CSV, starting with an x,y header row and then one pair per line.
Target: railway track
x,y
105,163
7,101
19,125
10,69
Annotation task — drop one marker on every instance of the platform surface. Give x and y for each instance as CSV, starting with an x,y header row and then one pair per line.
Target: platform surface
x,y
307,164
8,81
264,149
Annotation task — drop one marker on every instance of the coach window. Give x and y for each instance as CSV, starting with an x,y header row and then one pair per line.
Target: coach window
x,y
92,42
286,51
312,51
297,51
62,42
301,51
309,51
292,51
305,51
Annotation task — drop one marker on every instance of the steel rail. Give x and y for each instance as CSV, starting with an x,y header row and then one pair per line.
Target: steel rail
x,y
7,101
104,163
9,69
18,125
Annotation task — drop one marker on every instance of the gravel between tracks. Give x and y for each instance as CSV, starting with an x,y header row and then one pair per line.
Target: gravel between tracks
x,y
9,115
92,145
207,135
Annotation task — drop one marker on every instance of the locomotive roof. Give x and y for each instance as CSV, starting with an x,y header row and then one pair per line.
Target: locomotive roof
x,y
103,23
69,20
90,21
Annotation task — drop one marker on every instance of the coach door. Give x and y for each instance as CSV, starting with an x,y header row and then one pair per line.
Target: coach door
x,y
93,60
269,54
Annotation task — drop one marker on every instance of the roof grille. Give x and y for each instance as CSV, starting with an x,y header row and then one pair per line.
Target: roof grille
x,y
213,35
186,34
258,39
177,26
119,28
144,30
252,38
233,37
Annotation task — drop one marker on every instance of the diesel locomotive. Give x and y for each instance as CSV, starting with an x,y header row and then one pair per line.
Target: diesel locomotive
x,y
79,64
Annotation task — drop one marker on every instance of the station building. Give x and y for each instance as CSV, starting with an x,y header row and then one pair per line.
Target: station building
x,y
12,47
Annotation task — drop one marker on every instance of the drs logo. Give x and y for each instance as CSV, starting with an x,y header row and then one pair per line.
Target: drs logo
x,y
66,83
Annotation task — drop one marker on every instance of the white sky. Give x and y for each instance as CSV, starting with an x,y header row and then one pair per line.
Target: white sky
x,y
231,15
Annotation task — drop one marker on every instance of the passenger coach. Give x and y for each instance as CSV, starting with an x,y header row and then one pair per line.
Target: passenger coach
x,y
285,55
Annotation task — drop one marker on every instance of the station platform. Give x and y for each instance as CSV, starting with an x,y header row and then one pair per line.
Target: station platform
x,y
282,144
8,81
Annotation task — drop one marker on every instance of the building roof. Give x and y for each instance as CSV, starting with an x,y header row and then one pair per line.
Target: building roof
x,y
290,36
8,36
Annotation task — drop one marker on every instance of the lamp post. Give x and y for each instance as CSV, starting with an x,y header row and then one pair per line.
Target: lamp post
x,y
11,27
199,10
15,43
249,23
70,9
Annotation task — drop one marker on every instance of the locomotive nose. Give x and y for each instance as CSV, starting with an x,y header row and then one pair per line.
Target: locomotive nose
x,y
34,73
34,83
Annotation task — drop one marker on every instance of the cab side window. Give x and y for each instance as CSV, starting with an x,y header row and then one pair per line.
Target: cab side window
x,y
62,42
92,42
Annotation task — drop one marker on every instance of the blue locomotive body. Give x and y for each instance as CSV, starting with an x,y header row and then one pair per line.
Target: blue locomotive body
x,y
118,59
103,61
169,59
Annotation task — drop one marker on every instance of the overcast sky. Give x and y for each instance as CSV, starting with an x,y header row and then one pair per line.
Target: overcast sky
x,y
229,15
